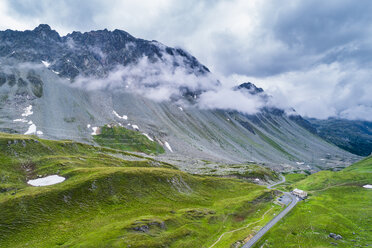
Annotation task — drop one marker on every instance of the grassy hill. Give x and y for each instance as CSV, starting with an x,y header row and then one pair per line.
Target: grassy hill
x,y
112,198
290,179
128,140
337,203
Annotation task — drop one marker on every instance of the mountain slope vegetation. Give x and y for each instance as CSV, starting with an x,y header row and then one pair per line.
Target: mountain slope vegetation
x,y
128,140
112,198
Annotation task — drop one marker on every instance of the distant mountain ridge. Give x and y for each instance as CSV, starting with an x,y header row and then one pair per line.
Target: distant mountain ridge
x,y
352,135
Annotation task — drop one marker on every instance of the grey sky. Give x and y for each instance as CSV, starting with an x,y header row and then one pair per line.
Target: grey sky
x,y
312,55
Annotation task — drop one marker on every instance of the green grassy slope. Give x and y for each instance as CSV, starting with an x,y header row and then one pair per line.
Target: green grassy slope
x,y
363,166
252,171
27,157
115,199
128,140
290,179
337,204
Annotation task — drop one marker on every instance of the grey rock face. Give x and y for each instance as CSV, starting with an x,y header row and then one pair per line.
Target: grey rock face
x,y
253,89
92,53
34,94
335,236
142,227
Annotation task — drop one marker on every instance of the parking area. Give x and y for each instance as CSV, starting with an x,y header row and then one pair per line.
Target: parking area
x,y
284,199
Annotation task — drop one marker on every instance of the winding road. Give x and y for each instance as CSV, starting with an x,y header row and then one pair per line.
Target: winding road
x,y
272,185
269,225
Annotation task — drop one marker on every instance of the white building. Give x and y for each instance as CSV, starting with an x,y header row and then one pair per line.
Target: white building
x,y
300,193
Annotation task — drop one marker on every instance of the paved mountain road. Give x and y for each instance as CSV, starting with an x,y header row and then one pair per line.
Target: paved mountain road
x,y
269,225
272,185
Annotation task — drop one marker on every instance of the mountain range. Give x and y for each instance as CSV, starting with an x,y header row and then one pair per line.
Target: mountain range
x,y
70,87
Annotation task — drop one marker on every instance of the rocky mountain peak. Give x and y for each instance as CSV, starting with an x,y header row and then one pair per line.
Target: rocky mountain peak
x,y
45,31
93,53
42,27
253,89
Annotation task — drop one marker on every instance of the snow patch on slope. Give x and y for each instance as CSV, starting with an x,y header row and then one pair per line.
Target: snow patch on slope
x,y
28,111
124,117
168,146
95,130
31,129
20,120
45,63
45,181
148,136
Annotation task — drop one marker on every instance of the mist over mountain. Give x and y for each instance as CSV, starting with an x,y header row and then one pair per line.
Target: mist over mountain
x,y
114,60
291,56
71,86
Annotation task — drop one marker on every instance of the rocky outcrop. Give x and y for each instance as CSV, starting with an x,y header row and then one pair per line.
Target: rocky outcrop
x,y
335,236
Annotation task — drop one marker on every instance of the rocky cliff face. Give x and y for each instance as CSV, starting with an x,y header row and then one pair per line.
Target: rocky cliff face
x,y
93,53
38,95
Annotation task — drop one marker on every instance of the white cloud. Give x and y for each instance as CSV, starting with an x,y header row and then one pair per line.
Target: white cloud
x,y
159,81
162,81
229,99
334,90
357,112
7,21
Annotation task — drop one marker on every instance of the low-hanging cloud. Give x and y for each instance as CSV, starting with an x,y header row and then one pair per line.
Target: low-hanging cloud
x,y
335,90
161,80
227,98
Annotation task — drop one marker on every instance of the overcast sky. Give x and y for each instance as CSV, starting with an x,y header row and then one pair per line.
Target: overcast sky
x,y
312,55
